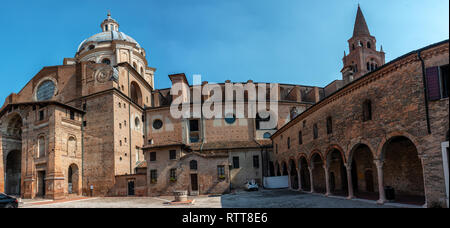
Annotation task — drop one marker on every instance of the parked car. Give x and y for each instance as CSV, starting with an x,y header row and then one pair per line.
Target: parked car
x,y
251,186
8,201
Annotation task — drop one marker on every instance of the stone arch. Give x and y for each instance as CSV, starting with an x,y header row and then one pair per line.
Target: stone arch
x,y
317,164
379,153
135,93
333,147
354,144
361,161
293,174
73,180
305,176
13,172
313,153
336,168
403,169
284,169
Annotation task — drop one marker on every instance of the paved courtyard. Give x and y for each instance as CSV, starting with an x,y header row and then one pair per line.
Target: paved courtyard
x,y
261,199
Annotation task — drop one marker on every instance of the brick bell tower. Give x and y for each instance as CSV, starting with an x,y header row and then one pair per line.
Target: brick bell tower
x,y
363,57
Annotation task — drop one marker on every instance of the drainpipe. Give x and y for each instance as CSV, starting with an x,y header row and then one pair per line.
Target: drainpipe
x,y
425,89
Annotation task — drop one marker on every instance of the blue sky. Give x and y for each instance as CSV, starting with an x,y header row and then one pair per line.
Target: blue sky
x,y
284,41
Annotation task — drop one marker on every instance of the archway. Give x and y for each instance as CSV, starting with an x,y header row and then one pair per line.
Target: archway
x,y
277,169
318,173
13,158
364,173
403,170
294,175
135,93
285,170
337,173
13,173
271,169
305,177
73,180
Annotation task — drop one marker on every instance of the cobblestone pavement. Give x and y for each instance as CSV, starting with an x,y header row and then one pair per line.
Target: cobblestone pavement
x,y
261,199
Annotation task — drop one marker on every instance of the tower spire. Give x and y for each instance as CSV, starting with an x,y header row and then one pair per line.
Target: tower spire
x,y
361,28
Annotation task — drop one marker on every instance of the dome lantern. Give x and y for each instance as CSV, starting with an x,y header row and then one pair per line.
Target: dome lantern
x,y
109,24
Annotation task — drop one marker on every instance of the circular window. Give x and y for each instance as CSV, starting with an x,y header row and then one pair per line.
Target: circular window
x,y
230,118
267,135
137,122
45,91
157,124
91,47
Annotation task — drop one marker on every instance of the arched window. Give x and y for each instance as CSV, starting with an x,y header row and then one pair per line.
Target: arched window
x,y
329,125
142,71
135,66
372,66
368,66
72,146
41,146
193,165
369,45
106,61
289,142
367,110
315,131
353,46
136,95
45,91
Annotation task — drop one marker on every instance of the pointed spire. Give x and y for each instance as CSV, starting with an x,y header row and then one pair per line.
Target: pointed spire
x,y
361,28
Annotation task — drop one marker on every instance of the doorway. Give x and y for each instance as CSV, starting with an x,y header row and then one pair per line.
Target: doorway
x,y
131,188
40,184
369,181
194,182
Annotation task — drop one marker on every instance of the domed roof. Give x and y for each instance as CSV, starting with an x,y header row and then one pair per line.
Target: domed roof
x,y
110,29
108,36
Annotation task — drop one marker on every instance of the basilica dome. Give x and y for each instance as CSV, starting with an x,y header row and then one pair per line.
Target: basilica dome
x,y
110,32
108,36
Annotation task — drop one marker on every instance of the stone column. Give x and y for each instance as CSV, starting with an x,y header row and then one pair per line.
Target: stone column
x,y
300,187
327,180
311,178
379,164
289,181
349,182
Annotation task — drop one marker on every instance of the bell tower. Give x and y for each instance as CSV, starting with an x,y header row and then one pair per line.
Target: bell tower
x,y
363,57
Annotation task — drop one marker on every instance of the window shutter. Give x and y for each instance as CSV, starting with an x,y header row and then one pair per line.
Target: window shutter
x,y
434,91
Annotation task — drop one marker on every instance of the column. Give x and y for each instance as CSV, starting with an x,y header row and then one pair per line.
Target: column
x,y
379,164
300,187
311,178
289,181
327,180
349,182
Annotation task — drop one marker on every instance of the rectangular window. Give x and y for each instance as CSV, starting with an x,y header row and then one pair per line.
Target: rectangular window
x,y
194,131
173,155
193,125
153,176
72,115
152,156
256,161
41,115
173,174
300,138
315,131
221,171
236,162
329,125
433,87
84,123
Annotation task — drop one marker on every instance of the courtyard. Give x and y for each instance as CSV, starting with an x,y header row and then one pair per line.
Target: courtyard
x,y
282,198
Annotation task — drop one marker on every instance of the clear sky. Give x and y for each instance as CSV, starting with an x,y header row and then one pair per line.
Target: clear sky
x,y
284,41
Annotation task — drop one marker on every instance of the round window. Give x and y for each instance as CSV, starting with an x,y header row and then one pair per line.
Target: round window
x,y
267,135
157,124
230,118
45,91
137,122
